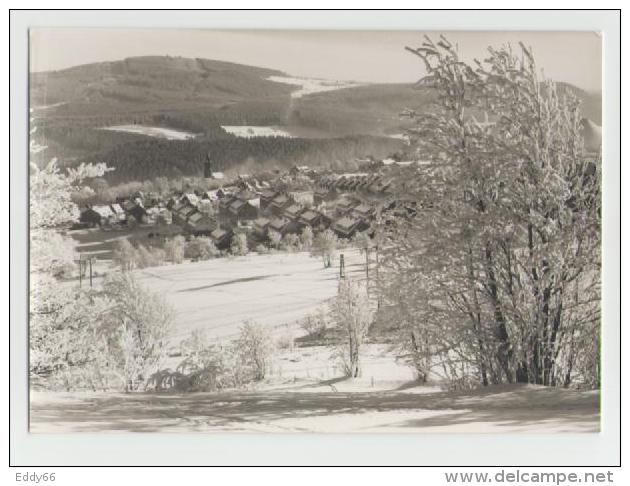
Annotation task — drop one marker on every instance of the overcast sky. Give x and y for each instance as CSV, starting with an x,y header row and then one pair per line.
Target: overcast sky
x,y
374,56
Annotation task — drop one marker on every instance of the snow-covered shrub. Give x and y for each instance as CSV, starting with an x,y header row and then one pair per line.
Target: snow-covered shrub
x,y
315,324
239,245
201,248
149,257
136,325
254,346
125,255
286,340
175,249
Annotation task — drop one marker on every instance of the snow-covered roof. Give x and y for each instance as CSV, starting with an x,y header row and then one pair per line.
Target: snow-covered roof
x,y
118,209
346,223
103,211
192,198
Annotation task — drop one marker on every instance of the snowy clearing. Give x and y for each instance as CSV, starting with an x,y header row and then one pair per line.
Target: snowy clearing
x,y
218,295
250,131
301,408
311,85
157,132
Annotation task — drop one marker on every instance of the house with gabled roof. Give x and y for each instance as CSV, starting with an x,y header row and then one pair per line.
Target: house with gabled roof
x,y
221,238
280,225
346,204
340,183
278,204
181,213
199,223
260,227
242,210
314,219
119,212
90,216
191,198
293,212
266,196
323,194
106,213
225,202
139,213
362,211
305,198
347,227
353,183
211,195
127,204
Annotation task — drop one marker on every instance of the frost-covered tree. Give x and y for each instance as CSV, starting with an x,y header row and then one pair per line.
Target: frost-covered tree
x,y
275,238
175,249
51,207
125,254
290,242
493,265
136,323
56,311
306,238
201,248
239,245
351,316
325,245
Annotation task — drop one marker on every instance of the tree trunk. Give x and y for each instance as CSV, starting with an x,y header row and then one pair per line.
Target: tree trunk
x,y
504,351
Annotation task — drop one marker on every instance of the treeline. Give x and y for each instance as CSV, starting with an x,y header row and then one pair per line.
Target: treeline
x,y
137,160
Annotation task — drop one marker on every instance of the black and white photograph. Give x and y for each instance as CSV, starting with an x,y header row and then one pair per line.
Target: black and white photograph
x,y
286,231
258,231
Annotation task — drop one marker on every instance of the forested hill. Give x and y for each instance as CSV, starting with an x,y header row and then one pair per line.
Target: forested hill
x,y
145,83
71,107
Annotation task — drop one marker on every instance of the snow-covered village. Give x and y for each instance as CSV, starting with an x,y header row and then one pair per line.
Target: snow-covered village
x,y
216,246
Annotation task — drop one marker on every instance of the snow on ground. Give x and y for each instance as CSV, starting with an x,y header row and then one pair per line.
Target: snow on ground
x,y
250,131
407,408
315,364
157,132
304,391
47,107
218,295
311,85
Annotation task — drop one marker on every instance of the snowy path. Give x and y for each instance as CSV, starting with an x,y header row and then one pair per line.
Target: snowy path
x,y
513,409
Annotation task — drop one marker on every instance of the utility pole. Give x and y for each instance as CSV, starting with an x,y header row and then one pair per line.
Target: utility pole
x,y
342,267
83,265
367,271
90,260
80,262
378,282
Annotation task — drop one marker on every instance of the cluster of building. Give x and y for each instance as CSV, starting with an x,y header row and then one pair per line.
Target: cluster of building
x,y
344,203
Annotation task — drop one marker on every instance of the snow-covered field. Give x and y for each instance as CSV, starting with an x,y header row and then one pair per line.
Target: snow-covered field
x,y
218,295
249,131
337,406
157,132
47,107
304,391
309,86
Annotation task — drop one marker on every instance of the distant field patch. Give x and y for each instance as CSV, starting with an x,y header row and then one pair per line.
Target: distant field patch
x,y
249,131
156,132
310,85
